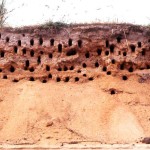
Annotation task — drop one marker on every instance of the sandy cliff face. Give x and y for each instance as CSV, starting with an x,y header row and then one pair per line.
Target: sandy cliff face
x,y
73,84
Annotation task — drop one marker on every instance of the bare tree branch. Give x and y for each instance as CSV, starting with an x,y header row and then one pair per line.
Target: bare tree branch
x,y
3,12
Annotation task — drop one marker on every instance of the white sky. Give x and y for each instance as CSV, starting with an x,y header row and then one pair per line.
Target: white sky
x,y
30,12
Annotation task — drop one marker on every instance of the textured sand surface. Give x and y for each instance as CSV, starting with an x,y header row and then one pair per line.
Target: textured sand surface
x,y
32,112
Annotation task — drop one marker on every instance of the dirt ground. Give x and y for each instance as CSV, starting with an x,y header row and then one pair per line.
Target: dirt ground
x,y
102,99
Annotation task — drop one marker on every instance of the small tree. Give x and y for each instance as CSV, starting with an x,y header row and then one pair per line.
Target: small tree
x,y
3,12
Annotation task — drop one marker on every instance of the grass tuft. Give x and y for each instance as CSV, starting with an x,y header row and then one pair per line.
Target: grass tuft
x,y
56,25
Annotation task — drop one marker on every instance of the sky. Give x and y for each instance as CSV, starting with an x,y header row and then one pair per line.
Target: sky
x,y
31,12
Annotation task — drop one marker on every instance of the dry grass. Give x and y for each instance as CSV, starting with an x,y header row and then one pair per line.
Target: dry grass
x,y
56,25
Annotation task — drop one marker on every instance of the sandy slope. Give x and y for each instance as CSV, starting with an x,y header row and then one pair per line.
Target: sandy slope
x,y
52,113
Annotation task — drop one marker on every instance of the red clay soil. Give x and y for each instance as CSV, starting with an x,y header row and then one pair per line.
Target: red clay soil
x,y
73,84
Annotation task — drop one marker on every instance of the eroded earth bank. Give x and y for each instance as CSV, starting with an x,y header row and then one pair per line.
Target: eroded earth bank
x,y
75,83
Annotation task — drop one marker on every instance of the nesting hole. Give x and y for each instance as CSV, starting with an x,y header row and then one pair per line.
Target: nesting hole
x,y
15,49
59,48
70,42
99,51
50,76
40,41
96,64
58,79
113,61
52,42
24,51
4,76
39,60
79,43
12,69
1,70
87,54
67,79
119,39
27,63
71,52
124,77
112,92
7,39
32,53
44,81
15,80
19,42
124,53
139,44
32,79
106,53
104,68
76,79
112,48
65,68
50,55
84,75
130,69
2,53
47,68
84,65
72,68
78,71
122,66
41,52
107,43
59,69
143,52
108,72
31,69
91,78
31,42
148,66
132,47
